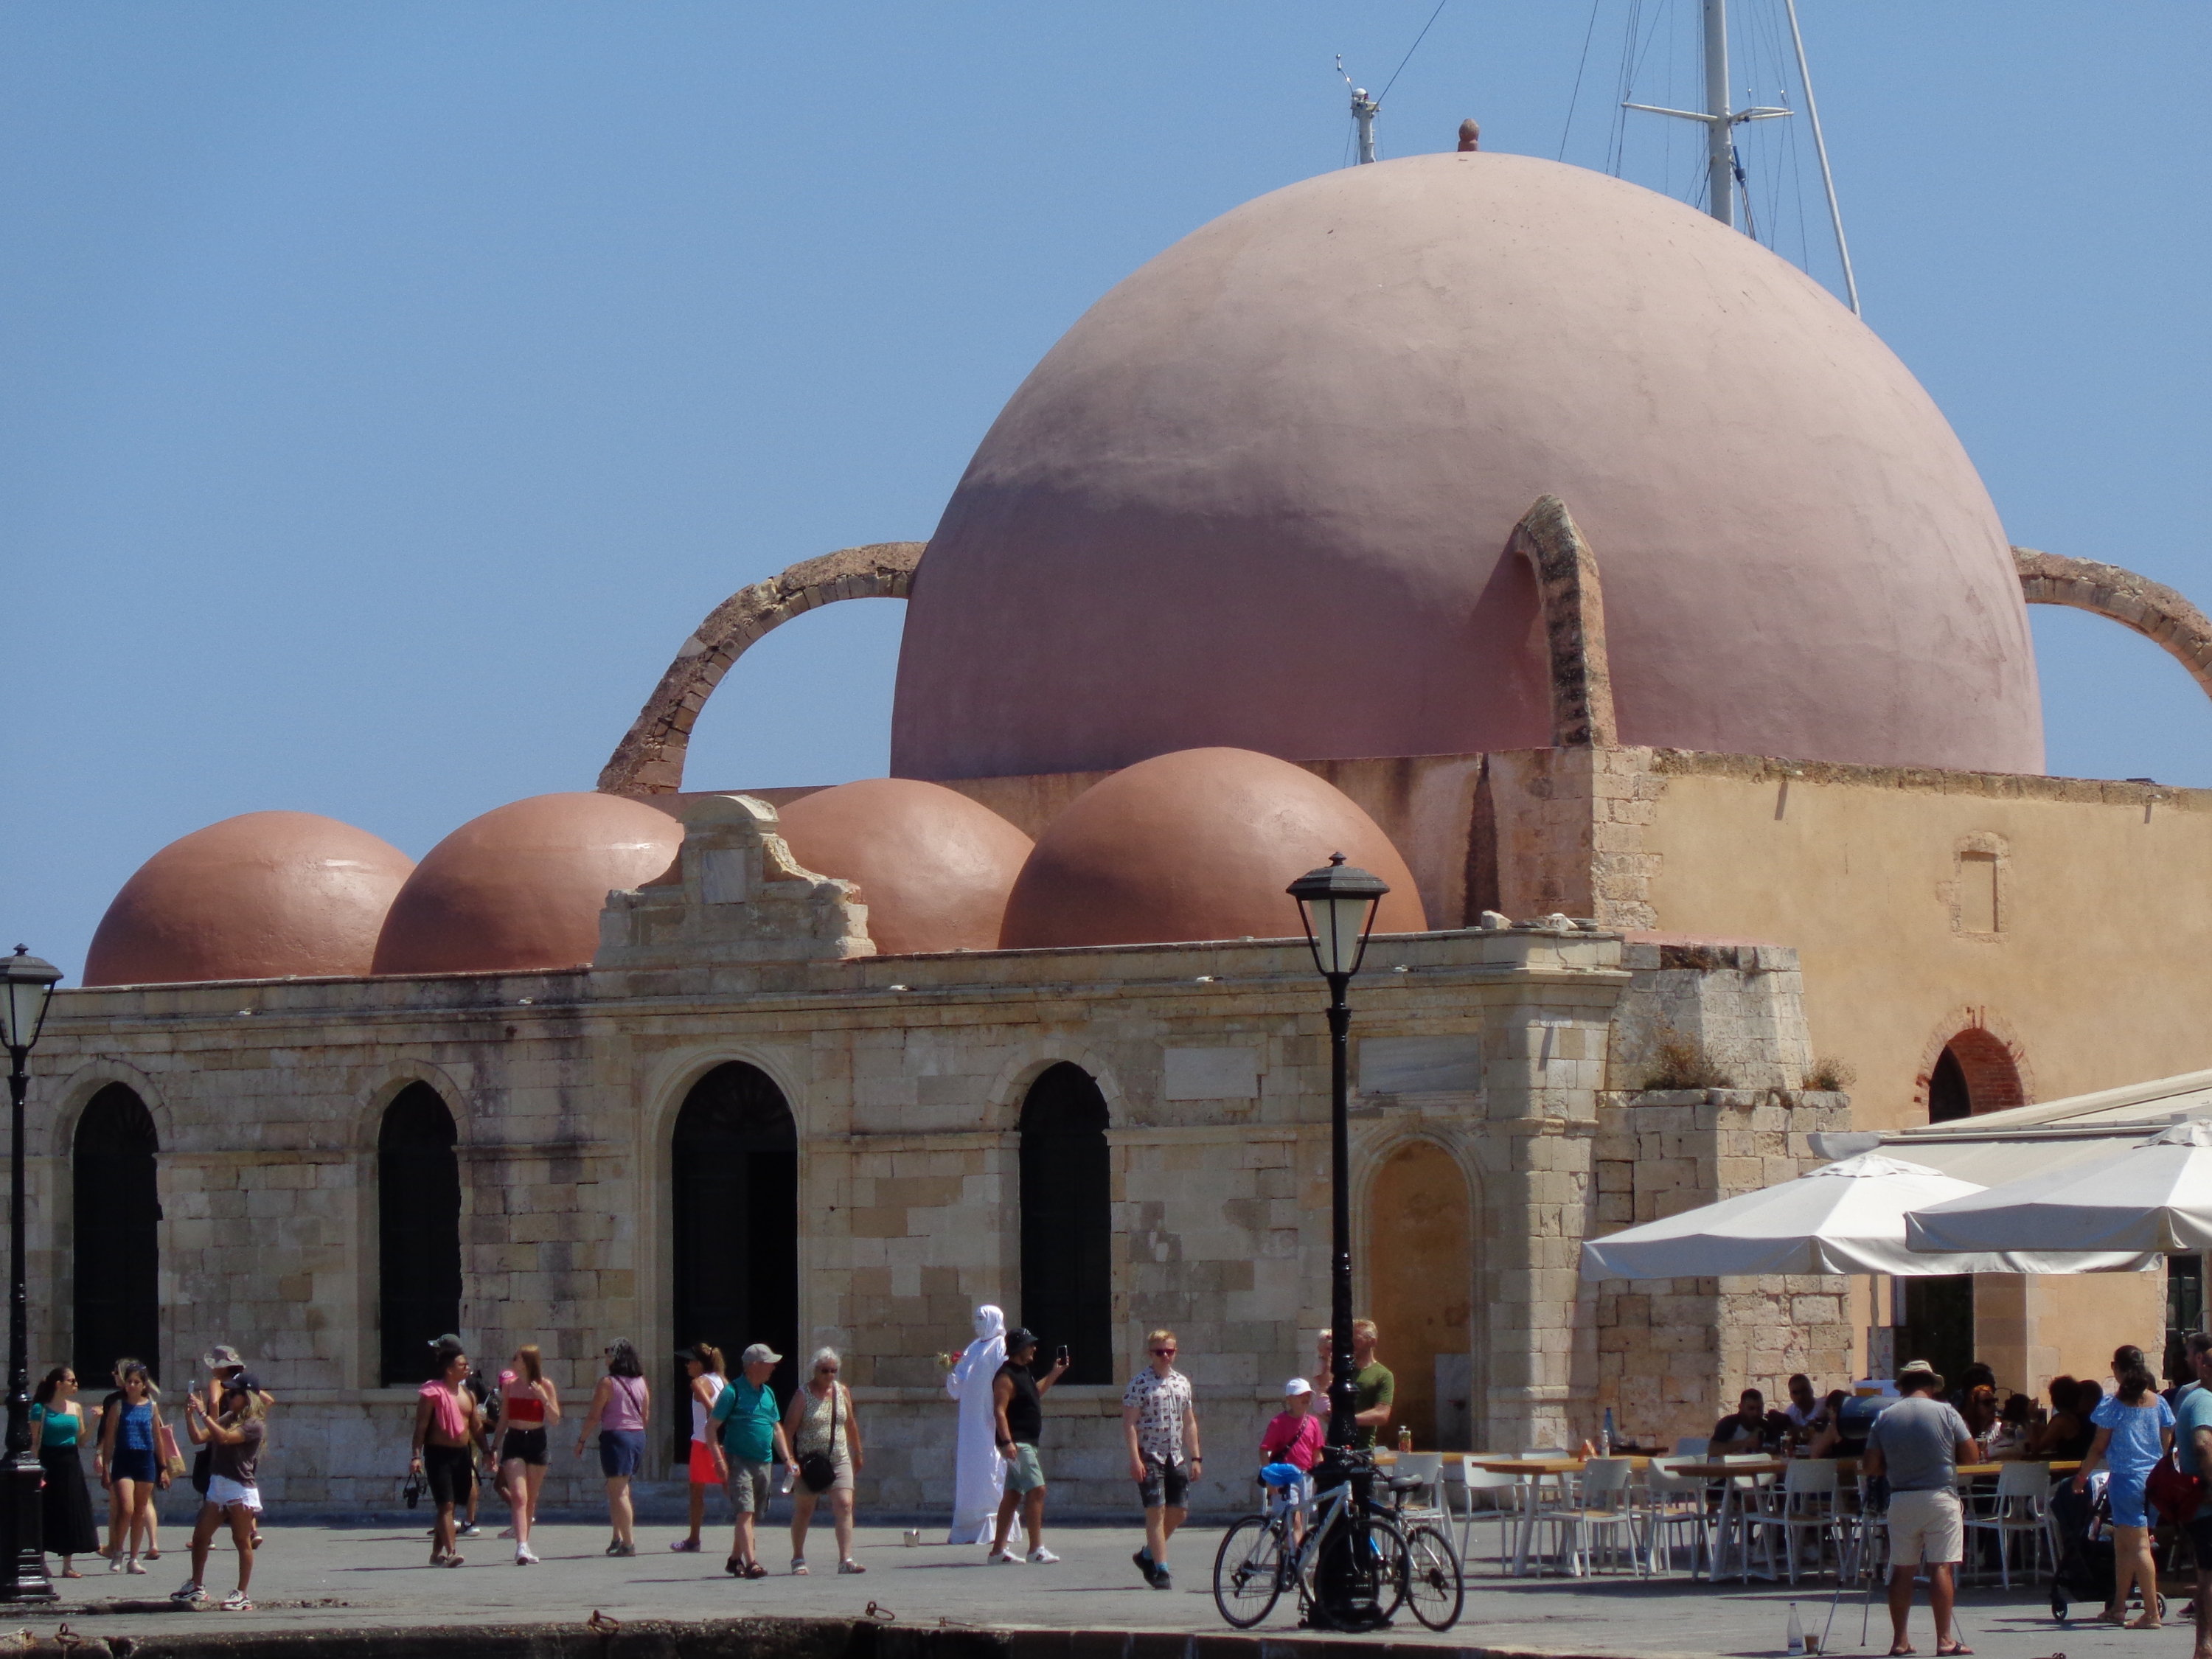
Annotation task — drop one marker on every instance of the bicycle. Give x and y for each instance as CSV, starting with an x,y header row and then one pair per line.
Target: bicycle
x,y
1260,1556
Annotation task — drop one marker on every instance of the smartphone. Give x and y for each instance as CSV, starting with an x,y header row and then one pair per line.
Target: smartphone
x,y
1062,1354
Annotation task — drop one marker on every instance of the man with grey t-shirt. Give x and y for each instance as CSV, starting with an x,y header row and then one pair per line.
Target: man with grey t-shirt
x,y
1918,1444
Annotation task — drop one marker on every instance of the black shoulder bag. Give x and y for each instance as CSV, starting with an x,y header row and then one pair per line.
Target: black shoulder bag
x,y
819,1468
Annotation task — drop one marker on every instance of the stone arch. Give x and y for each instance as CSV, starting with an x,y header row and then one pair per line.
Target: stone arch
x,y
115,1244
1975,1058
2151,609
1418,1240
1010,1089
419,1200
649,760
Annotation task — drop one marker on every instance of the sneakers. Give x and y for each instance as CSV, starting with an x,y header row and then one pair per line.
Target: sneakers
x,y
237,1602
507,1532
191,1595
468,1530
998,1552
685,1547
849,1565
1162,1579
1042,1557
623,1550
114,1563
1144,1559
134,1565
524,1556
451,1561
799,1566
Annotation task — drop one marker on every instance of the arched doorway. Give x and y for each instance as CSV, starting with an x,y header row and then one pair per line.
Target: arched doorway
x,y
734,1208
1975,1073
418,1213
116,1222
1420,1275
1068,1223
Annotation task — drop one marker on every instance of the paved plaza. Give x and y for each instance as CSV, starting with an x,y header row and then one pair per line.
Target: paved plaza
x,y
326,1576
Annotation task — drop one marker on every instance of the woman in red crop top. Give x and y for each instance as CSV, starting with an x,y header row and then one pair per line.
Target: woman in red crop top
x,y
527,1402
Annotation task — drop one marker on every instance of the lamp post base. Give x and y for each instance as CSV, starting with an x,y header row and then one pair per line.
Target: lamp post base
x,y
22,1559
1350,1576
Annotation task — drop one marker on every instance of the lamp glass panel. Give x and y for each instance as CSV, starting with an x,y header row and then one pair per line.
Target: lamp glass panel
x,y
1338,924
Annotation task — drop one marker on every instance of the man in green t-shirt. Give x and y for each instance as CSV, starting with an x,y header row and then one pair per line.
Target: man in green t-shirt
x,y
1374,1385
752,1434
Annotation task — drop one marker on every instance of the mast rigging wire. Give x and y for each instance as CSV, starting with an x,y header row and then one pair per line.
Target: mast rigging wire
x,y
1410,51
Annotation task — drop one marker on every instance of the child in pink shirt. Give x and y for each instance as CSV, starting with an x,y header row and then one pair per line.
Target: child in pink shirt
x,y
1293,1436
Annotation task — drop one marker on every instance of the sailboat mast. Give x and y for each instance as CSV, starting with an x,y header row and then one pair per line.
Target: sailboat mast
x,y
1720,132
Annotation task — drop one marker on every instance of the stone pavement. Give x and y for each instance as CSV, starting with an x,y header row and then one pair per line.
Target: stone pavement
x,y
331,1577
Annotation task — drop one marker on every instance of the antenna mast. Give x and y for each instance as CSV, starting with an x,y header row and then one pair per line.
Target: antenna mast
x,y
1363,107
1720,122
1820,149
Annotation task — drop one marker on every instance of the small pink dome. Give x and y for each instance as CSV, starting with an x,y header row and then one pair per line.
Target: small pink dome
x,y
1196,845
262,895
523,886
934,867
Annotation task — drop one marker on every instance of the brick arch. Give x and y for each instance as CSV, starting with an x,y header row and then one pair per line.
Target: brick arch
x,y
2151,609
1989,1054
649,760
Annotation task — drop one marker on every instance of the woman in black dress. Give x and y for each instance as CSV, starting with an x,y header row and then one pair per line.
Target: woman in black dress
x,y
58,1428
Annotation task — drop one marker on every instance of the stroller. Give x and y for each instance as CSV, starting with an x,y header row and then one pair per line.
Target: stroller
x,y
2085,1571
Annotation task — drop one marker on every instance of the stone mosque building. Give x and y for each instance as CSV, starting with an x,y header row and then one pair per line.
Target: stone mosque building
x,y
1563,557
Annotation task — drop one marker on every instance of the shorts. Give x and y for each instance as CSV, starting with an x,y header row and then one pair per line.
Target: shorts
x,y
223,1491
2125,1494
451,1474
749,1488
620,1450
702,1465
132,1463
523,1446
2200,1536
1926,1528
1027,1473
1164,1484
841,1479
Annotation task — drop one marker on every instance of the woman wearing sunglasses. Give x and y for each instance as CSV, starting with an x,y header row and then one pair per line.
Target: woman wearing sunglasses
x,y
825,1439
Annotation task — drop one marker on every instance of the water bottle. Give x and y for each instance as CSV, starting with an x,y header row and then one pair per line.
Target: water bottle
x,y
1796,1631
1405,1437
1612,1440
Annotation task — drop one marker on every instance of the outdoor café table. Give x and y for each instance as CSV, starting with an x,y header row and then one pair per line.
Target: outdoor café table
x,y
1536,1467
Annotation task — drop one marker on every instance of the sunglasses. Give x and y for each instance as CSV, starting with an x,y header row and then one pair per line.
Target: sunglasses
x,y
1168,1354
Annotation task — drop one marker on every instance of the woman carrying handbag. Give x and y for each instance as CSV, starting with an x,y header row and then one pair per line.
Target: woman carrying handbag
x,y
825,1437
135,1448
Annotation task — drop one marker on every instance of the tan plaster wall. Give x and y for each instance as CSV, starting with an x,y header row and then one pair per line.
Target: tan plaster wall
x,y
2103,939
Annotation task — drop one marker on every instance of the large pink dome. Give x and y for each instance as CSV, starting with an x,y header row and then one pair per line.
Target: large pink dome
x,y
262,896
1261,495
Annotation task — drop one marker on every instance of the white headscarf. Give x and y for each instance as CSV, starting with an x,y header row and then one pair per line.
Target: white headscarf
x,y
979,1473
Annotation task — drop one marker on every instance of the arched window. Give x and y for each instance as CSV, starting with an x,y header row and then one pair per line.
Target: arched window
x,y
1976,1073
734,1207
116,1248
418,1210
1068,1223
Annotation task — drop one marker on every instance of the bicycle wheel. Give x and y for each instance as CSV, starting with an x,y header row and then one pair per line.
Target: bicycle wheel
x,y
1247,1571
1391,1562
1432,1578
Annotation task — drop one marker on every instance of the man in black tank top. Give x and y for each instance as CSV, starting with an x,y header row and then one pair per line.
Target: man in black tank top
x,y
1018,1405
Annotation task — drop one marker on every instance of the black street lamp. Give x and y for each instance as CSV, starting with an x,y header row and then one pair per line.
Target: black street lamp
x,y
1337,903
26,982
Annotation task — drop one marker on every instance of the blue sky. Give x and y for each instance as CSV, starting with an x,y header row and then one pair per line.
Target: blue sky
x,y
386,390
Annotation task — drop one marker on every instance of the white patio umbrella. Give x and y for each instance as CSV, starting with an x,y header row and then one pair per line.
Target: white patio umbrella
x,y
2154,1197
1844,1218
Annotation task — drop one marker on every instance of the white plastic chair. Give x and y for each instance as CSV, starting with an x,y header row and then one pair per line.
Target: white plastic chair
x,y
1602,1506
1673,1502
1740,1497
2019,1507
1424,1502
1691,1446
1484,1494
1804,1502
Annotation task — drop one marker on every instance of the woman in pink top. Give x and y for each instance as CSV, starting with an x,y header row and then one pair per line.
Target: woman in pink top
x,y
622,1405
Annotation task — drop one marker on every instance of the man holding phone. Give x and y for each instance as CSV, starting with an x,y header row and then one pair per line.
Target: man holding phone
x,y
1019,1423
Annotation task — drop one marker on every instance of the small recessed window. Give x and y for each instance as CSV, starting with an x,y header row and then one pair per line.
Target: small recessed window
x,y
1978,893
